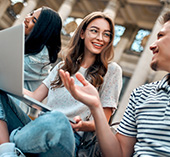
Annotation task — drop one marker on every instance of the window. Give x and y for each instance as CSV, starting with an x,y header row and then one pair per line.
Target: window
x,y
15,1
136,45
69,20
119,30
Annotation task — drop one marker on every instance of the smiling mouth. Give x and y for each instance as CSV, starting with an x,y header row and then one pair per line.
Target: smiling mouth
x,y
156,51
98,45
25,25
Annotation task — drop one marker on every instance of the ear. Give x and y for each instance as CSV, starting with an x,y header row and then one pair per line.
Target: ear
x,y
82,34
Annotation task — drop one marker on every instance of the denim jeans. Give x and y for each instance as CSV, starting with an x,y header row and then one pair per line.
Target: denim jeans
x,y
77,142
50,135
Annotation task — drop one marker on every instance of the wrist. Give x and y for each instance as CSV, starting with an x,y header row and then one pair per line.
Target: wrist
x,y
96,108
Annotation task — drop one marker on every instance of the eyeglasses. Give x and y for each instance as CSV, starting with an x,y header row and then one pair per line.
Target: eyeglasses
x,y
106,35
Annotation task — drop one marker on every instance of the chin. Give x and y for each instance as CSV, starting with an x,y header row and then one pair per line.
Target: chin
x,y
154,66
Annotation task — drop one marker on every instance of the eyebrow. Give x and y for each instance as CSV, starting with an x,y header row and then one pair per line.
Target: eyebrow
x,y
32,12
98,29
35,18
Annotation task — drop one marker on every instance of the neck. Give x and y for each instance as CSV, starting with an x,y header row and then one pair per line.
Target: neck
x,y
88,61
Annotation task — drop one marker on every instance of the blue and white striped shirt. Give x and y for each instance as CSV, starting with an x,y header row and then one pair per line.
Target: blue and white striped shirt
x,y
147,118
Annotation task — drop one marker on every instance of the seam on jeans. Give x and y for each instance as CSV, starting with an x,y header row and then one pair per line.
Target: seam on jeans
x,y
61,147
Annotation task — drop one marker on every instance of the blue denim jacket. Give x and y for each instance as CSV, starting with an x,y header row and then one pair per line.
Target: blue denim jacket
x,y
36,69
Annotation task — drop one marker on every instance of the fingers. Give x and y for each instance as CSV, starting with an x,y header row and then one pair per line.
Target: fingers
x,y
77,119
78,124
67,80
65,77
62,75
81,78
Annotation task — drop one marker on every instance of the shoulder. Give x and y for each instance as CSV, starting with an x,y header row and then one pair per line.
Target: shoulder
x,y
59,65
114,65
40,57
148,86
114,69
145,90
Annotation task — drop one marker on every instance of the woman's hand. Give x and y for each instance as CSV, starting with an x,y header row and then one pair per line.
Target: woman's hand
x,y
87,94
81,125
78,125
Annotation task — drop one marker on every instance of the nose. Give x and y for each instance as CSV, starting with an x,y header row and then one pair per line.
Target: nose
x,y
152,46
27,18
99,36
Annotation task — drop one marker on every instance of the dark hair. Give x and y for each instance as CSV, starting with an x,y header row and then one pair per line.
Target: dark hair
x,y
166,17
46,32
75,53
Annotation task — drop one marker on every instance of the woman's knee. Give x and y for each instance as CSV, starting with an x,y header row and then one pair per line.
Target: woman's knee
x,y
58,130
53,118
54,121
52,131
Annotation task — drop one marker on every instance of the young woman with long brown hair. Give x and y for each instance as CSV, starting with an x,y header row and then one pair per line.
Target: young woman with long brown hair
x,y
90,52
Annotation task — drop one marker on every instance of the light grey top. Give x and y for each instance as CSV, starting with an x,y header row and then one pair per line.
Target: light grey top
x,y
60,99
34,73
36,69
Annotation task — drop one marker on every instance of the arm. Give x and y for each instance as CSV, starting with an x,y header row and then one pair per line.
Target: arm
x,y
39,94
110,144
89,125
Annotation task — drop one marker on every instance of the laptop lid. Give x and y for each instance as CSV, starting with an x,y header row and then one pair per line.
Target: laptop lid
x,y
12,65
11,59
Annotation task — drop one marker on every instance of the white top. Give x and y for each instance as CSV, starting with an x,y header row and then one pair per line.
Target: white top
x,y
60,99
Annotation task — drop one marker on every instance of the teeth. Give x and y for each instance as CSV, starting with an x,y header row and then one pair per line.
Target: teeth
x,y
97,44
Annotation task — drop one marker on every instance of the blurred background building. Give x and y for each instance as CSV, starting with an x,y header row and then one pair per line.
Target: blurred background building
x,y
136,27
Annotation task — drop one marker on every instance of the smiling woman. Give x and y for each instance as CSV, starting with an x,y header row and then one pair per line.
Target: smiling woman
x,y
89,52
89,55
30,20
42,45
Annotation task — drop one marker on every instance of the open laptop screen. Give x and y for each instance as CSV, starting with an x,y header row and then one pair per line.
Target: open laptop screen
x,y
11,59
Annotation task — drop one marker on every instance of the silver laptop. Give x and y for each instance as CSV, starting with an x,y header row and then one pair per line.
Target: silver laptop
x,y
12,41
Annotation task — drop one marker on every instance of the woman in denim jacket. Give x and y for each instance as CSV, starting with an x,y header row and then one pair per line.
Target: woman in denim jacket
x,y
41,136
42,44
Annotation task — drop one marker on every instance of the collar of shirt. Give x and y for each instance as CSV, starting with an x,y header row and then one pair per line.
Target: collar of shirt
x,y
164,83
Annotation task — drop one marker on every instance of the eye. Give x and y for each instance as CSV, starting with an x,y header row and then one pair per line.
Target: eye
x,y
159,35
106,34
94,31
31,13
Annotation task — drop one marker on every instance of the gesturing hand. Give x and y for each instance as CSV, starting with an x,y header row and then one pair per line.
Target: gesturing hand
x,y
87,94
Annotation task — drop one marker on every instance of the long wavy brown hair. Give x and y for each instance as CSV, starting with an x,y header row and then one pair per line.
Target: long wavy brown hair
x,y
75,53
